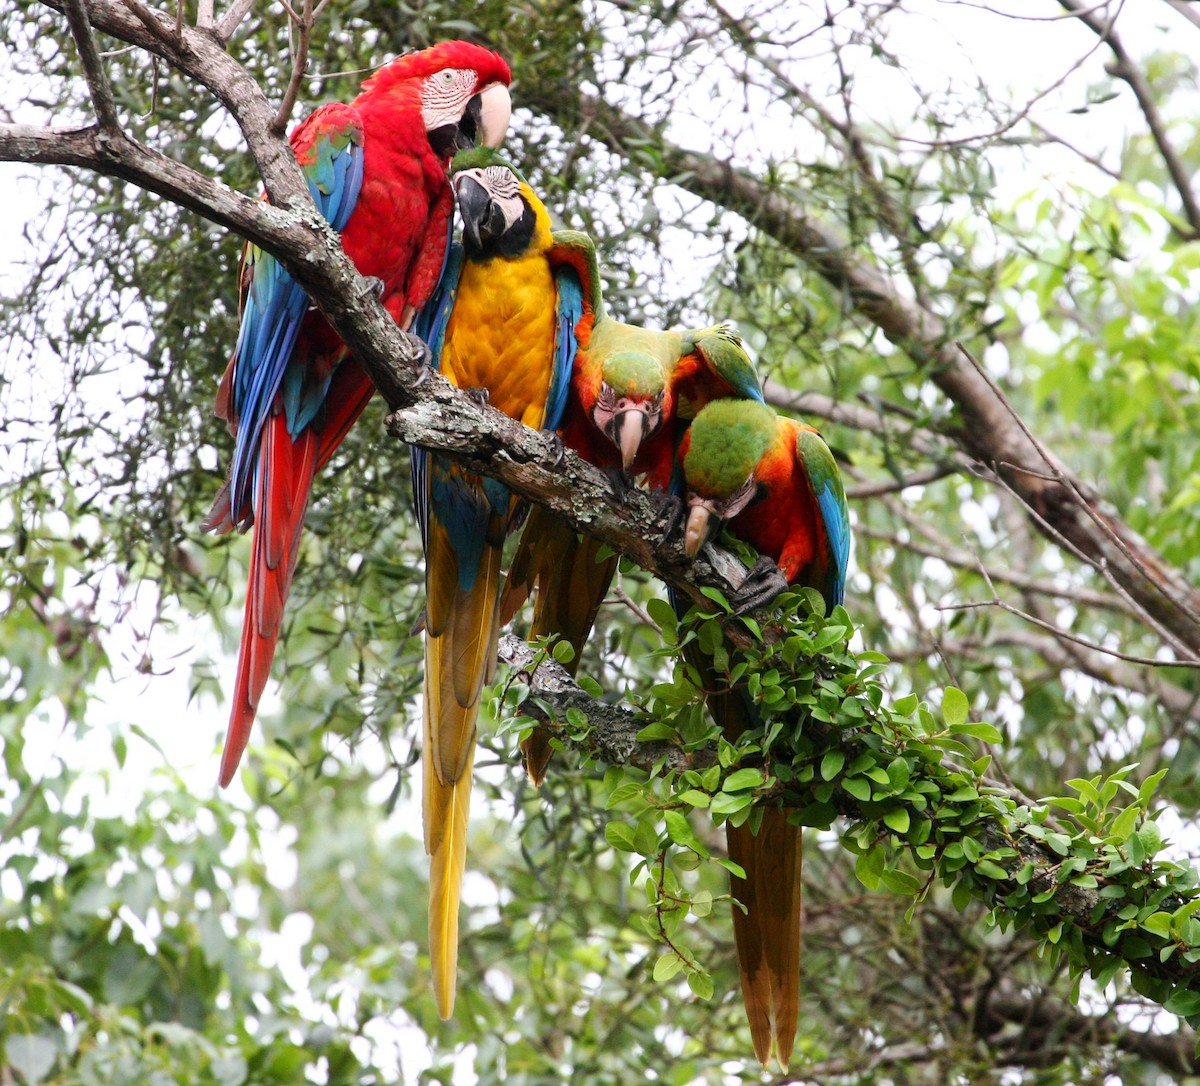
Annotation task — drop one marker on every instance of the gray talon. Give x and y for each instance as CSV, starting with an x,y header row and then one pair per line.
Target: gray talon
x,y
763,583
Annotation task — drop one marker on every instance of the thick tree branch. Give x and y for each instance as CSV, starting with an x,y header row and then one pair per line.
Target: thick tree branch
x,y
439,416
986,428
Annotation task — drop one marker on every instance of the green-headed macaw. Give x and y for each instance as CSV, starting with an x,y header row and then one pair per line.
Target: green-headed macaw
x,y
775,484
633,393
505,325
376,168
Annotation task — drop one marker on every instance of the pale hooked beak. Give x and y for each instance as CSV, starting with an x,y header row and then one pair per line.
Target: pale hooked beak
x,y
495,111
631,428
699,522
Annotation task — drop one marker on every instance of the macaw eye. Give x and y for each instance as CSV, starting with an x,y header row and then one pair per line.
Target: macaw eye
x,y
448,76
607,399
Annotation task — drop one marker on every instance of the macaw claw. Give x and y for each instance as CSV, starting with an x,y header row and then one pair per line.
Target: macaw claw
x,y
620,481
416,353
557,449
374,285
479,396
762,584
669,515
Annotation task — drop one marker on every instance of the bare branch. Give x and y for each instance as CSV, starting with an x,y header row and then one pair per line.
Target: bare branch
x,y
1187,9
1059,632
232,19
1125,69
919,478
303,25
93,70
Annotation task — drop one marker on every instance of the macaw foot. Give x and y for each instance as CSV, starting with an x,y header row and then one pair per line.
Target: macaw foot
x,y
374,285
669,516
620,481
762,584
479,396
416,353
557,448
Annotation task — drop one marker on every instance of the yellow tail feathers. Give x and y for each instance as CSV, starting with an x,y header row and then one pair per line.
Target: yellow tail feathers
x,y
447,804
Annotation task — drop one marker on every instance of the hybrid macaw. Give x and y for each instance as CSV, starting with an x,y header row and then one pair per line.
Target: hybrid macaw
x,y
633,393
776,485
377,170
505,326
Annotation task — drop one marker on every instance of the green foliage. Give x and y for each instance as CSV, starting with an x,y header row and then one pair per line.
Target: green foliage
x,y
1084,876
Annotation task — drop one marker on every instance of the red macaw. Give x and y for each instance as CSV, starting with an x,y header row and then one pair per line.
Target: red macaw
x,y
775,483
376,169
504,325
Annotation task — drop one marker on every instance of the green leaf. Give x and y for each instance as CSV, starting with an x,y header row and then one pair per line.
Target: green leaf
x,y
955,707
620,836
869,868
1184,1002
667,966
564,651
831,764
657,730
900,882
897,819
858,787
741,779
1158,923
990,870
724,803
31,1056
984,732
701,984
695,798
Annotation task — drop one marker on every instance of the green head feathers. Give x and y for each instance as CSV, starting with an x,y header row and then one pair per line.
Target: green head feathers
x,y
634,374
480,158
728,439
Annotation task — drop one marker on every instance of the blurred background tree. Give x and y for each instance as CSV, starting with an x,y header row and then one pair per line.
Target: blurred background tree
x,y
1019,185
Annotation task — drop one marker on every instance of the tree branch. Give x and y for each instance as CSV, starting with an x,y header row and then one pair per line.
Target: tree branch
x,y
93,70
1125,69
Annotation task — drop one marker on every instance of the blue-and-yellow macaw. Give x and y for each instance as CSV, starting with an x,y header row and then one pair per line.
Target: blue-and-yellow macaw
x,y
505,324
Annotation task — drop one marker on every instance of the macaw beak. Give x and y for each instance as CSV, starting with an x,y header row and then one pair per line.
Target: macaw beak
x,y
494,113
481,216
631,427
699,522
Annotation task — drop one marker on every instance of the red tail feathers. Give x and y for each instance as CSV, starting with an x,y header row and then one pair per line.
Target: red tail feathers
x,y
281,493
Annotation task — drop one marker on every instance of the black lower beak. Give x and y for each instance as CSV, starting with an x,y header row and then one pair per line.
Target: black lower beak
x,y
451,138
468,127
482,219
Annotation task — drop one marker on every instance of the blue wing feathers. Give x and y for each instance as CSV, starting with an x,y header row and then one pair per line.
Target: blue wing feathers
x,y
569,313
274,311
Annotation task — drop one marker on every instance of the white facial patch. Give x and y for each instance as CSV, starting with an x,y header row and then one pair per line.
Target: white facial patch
x,y
444,97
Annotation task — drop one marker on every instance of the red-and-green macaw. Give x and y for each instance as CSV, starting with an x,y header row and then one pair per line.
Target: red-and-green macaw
x,y
634,392
377,170
505,325
775,484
